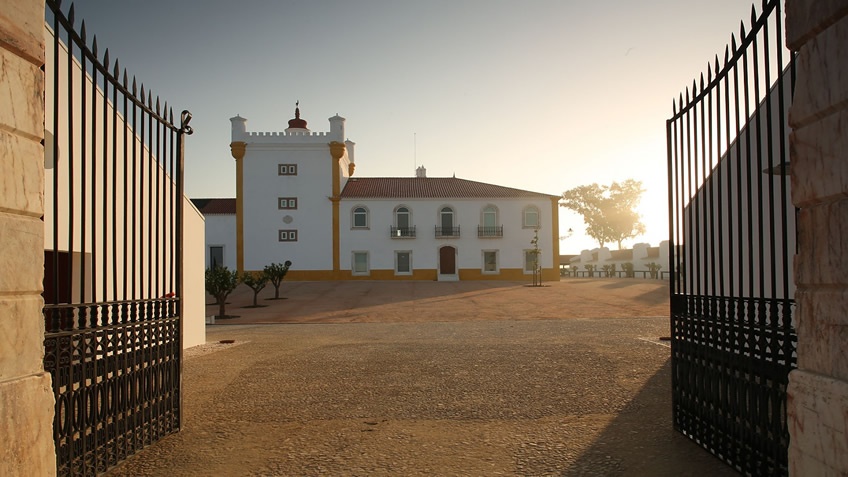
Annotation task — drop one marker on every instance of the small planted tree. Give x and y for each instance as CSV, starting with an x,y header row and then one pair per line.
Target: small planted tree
x,y
537,273
654,269
628,269
275,274
590,269
256,281
220,282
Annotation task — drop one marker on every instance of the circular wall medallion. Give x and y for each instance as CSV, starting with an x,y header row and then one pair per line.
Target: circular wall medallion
x,y
288,219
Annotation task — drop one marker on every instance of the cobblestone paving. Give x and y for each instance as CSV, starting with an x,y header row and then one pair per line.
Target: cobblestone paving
x,y
569,397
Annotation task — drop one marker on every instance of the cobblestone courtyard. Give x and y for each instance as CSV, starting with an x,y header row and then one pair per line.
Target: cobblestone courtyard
x,y
480,379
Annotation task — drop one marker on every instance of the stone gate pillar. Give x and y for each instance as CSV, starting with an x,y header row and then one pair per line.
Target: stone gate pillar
x,y
818,389
26,399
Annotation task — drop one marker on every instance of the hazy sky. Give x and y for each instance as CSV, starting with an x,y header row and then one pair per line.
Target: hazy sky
x,y
543,95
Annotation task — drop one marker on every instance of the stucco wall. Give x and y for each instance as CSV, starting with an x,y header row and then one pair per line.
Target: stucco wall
x,y
194,291
377,241
221,232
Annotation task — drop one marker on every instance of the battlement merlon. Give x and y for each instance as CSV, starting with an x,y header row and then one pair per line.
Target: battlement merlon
x,y
336,133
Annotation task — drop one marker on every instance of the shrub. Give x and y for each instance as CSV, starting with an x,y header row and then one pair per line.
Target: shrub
x,y
220,282
256,281
275,273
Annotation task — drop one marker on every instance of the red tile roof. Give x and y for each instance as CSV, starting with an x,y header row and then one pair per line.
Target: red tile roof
x,y
215,206
429,188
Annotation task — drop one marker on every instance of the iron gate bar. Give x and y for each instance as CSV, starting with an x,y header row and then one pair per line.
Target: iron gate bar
x,y
112,346
733,340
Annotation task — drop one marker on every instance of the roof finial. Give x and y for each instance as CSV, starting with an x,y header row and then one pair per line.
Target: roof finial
x,y
297,109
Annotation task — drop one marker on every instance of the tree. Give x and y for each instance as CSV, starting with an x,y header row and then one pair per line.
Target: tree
x,y
275,273
256,281
220,282
608,211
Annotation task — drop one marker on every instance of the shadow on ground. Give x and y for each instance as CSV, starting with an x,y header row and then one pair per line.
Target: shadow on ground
x,y
646,447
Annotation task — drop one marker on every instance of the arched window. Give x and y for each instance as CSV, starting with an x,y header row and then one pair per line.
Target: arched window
x,y
403,223
446,217
403,217
531,217
447,223
360,217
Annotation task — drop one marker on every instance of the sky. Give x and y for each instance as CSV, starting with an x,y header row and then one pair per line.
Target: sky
x,y
541,95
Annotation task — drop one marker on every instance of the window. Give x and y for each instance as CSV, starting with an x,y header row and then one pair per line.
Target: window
x,y
530,261
360,217
403,217
287,203
446,218
531,217
446,227
288,235
490,261
403,262
216,256
490,216
287,169
360,263
403,223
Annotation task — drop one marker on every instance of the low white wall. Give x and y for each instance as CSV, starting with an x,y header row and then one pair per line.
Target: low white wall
x,y
194,268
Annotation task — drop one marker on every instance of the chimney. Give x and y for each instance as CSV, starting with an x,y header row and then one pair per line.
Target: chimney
x,y
420,172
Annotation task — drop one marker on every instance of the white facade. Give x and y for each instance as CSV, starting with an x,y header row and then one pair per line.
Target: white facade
x,y
221,232
424,247
296,199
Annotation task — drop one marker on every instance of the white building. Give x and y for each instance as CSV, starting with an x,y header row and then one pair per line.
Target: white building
x,y
296,200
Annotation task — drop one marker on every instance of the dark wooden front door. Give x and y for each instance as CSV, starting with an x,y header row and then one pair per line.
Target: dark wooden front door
x,y
447,261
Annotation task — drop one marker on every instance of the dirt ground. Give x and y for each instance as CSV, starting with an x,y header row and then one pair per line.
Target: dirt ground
x,y
428,378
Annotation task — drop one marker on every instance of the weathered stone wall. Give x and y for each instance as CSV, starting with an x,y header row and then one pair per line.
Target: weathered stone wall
x,y
818,389
26,401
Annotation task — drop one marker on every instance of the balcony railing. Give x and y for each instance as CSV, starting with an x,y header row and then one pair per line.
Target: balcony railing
x,y
490,232
402,232
449,232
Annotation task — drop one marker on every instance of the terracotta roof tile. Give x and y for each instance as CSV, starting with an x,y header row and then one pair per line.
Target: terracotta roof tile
x,y
215,206
429,188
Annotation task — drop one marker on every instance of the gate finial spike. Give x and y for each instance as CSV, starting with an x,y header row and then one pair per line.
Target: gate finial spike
x,y
142,93
117,69
681,100
753,15
702,80
134,89
158,109
716,65
71,15
150,99
106,60
82,31
709,73
687,95
125,78
94,46
733,43
742,30
673,107
171,115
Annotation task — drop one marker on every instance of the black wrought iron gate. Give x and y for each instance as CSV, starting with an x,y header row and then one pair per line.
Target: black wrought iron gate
x,y
113,254
732,228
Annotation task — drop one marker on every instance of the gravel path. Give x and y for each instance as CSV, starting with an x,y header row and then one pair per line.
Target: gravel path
x,y
573,397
